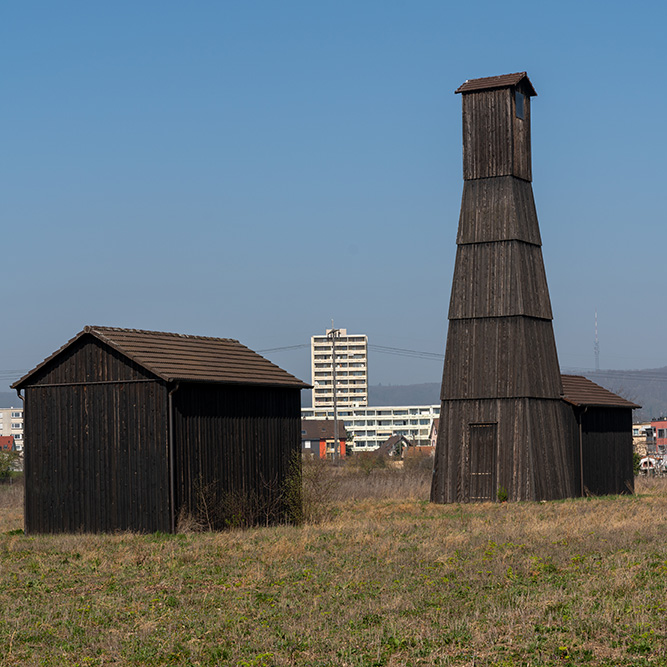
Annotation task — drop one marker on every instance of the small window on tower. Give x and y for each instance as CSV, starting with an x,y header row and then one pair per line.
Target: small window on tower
x,y
519,101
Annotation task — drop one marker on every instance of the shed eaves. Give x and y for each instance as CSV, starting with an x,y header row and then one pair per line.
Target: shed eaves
x,y
581,391
491,82
179,357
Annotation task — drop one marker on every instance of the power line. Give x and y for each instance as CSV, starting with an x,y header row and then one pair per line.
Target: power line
x,y
287,347
403,352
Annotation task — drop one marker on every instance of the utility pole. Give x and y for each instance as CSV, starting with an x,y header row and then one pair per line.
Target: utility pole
x,y
333,334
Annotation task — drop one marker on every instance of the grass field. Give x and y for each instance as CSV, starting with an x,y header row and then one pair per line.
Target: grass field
x,y
380,577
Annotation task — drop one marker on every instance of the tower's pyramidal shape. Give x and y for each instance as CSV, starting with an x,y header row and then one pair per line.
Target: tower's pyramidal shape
x,y
502,426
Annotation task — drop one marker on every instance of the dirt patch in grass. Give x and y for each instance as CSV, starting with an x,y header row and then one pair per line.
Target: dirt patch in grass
x,y
375,581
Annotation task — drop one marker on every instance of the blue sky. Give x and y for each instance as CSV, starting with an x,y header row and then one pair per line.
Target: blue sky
x,y
254,169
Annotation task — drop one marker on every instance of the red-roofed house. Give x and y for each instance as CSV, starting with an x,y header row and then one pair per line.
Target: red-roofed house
x,y
7,443
318,437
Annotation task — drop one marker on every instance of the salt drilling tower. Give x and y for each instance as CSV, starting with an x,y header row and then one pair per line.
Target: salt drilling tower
x,y
503,424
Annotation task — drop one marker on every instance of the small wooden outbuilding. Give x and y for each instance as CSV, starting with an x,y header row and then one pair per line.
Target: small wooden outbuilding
x,y
600,424
130,430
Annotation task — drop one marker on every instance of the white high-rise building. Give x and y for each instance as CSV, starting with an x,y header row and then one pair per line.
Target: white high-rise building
x,y
351,369
11,423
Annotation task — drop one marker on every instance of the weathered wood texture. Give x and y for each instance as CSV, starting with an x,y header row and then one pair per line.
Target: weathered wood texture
x,y
498,209
495,141
89,360
500,357
509,279
533,457
236,450
97,457
606,445
501,377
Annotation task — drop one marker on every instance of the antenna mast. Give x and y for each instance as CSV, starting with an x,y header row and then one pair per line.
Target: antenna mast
x,y
596,344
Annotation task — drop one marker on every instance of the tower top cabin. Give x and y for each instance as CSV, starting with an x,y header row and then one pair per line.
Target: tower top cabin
x,y
496,126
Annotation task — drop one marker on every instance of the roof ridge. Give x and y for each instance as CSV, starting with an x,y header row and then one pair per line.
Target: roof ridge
x,y
94,327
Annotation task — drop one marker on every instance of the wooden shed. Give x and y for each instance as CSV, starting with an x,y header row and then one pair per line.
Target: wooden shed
x,y
600,424
503,425
130,430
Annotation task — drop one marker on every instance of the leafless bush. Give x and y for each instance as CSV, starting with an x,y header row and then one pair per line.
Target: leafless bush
x,y
320,479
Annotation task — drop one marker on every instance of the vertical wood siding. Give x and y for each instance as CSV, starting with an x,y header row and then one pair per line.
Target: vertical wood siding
x,y
606,441
90,360
501,367
495,141
534,459
97,460
521,154
235,445
500,357
509,280
498,209
487,133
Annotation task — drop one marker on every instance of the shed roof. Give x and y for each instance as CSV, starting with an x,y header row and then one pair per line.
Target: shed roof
x,y
321,429
187,358
491,82
581,391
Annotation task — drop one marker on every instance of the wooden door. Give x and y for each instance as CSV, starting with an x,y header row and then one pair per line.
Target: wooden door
x,y
482,480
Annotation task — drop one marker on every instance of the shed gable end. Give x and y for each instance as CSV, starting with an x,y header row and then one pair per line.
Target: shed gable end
x,y
86,361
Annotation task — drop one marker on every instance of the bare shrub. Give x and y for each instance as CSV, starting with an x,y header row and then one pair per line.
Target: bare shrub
x,y
366,462
320,479
270,502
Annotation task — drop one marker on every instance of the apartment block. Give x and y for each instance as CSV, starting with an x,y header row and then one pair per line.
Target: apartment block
x,y
11,423
350,369
370,427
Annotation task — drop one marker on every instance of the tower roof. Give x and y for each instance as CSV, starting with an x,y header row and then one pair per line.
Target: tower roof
x,y
501,81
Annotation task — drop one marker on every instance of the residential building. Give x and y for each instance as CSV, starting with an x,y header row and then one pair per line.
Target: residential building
x,y
7,443
643,441
369,427
11,423
351,369
318,437
659,427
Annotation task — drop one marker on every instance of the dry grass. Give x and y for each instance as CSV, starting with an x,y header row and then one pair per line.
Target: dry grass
x,y
377,581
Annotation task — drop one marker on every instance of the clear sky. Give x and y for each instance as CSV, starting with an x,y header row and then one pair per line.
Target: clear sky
x,y
254,169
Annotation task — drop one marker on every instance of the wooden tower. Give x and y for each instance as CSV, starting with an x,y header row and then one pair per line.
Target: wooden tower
x,y
502,421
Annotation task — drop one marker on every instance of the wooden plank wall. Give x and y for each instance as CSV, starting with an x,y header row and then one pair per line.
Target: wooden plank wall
x,y
495,141
97,459
606,434
500,357
498,209
509,280
235,444
534,458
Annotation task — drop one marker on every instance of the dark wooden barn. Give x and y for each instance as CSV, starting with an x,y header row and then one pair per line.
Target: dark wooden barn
x,y
600,424
129,429
503,425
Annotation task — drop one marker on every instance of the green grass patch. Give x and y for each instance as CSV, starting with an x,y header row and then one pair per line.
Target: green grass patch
x,y
374,581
